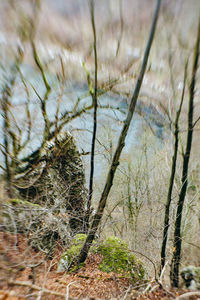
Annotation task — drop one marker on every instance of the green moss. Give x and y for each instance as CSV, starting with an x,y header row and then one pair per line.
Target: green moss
x,y
76,246
73,251
22,202
117,258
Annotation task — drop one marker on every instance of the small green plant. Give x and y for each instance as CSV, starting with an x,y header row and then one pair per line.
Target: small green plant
x,y
21,202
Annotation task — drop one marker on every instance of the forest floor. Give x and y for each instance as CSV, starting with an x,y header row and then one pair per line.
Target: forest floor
x,y
26,274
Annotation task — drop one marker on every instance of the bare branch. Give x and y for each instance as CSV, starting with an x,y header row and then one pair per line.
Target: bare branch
x,y
173,172
35,287
188,295
121,28
121,143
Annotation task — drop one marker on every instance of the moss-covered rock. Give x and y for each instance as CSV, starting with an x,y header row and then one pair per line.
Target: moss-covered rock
x,y
116,257
191,277
42,227
73,251
18,215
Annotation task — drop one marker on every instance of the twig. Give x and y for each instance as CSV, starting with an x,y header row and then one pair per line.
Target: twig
x,y
46,95
191,244
127,291
197,120
67,294
162,273
158,284
28,113
150,288
121,27
187,295
35,287
59,97
154,266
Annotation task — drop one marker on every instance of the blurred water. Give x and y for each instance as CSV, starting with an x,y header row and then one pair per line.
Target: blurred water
x,y
110,121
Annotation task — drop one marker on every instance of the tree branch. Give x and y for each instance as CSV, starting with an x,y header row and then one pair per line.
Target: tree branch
x,y
121,143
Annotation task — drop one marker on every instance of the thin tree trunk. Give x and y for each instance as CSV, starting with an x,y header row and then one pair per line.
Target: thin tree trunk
x,y
94,99
174,271
172,177
121,28
121,143
6,95
6,125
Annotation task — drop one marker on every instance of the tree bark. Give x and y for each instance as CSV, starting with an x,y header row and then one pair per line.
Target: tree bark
x,y
172,177
7,132
94,99
174,271
121,143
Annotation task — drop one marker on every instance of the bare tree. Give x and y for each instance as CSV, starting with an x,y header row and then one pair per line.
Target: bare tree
x,y
121,143
26,173
173,172
174,271
94,99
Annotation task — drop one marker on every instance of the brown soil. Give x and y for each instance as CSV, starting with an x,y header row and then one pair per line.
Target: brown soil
x,y
26,274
